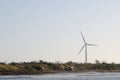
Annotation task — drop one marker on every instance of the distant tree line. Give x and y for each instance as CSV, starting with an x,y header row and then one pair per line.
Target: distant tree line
x,y
40,67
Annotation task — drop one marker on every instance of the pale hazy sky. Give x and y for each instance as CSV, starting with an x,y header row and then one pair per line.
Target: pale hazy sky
x,y
49,30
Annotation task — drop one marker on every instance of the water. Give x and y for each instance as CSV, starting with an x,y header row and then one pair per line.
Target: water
x,y
66,76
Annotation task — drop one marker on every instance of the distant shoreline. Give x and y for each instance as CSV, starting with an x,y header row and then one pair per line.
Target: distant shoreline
x,y
57,72
42,67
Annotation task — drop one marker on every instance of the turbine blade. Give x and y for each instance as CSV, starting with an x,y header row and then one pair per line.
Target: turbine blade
x,y
82,37
92,45
81,49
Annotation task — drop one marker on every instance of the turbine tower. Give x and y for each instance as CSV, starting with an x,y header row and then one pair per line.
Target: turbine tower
x,y
85,46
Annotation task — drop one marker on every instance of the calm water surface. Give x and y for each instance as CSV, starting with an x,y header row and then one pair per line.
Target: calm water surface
x,y
66,76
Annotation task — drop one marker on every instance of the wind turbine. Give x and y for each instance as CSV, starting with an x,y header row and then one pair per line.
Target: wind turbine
x,y
85,46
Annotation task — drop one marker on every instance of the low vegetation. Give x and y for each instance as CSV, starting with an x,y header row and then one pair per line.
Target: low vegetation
x,y
40,67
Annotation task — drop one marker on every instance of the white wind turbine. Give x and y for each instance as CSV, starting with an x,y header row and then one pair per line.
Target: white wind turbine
x,y
85,46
